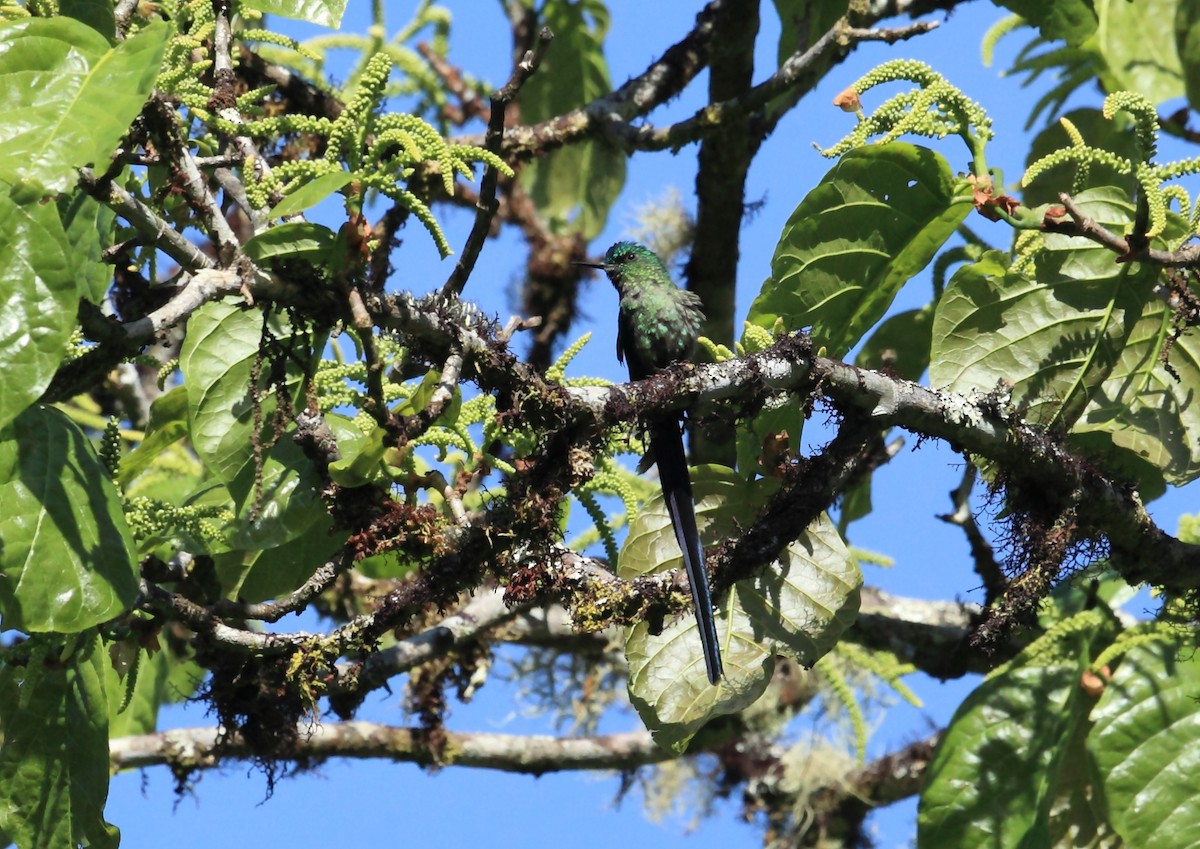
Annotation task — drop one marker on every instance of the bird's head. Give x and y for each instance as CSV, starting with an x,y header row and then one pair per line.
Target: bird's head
x,y
630,262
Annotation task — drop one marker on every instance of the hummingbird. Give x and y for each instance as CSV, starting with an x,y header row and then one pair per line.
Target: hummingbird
x,y
657,325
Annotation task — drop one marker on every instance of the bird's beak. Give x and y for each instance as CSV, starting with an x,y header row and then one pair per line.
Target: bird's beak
x,y
598,265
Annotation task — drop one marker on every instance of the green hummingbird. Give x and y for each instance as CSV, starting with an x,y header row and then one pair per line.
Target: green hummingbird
x,y
657,325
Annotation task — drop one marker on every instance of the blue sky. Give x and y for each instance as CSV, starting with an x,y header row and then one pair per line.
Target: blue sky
x,y
372,802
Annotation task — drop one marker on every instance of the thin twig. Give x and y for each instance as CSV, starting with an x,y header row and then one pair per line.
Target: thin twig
x,y
494,140
1088,228
123,16
982,556
204,621
452,78
293,602
225,101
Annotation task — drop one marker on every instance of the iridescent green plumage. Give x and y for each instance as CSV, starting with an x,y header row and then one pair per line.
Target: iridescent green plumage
x,y
657,325
658,322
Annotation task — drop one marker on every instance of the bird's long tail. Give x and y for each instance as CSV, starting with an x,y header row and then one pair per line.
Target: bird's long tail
x,y
666,441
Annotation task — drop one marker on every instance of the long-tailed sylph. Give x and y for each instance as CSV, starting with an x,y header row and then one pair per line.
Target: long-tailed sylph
x,y
658,325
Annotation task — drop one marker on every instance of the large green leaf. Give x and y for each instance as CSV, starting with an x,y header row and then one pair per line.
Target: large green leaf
x,y
1055,337
41,298
1146,743
66,98
998,771
798,606
1081,346
574,187
801,22
1137,41
1143,409
54,759
362,457
875,220
310,194
66,559
1071,21
99,16
217,359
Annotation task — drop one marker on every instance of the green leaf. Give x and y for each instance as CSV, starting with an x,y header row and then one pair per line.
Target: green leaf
x,y
1146,743
423,394
66,99
900,345
41,298
1187,45
88,223
163,677
168,424
389,564
286,567
1080,345
994,776
54,759
1137,41
217,358
310,194
785,421
1144,411
289,502
804,21
292,240
574,187
1055,338
66,560
797,607
99,16
855,504
325,13
361,460
875,220
1072,21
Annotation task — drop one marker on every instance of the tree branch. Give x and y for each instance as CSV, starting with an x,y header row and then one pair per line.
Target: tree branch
x,y
484,611
661,81
716,116
189,749
981,425
146,221
1088,228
